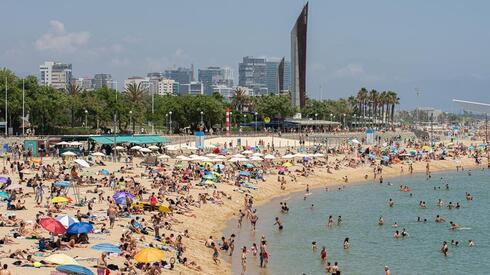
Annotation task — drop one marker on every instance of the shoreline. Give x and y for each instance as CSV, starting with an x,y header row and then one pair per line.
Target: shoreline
x,y
215,225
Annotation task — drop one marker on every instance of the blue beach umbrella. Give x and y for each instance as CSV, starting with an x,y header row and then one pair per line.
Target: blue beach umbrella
x,y
219,166
74,269
3,180
209,177
249,165
244,173
62,183
371,156
4,195
385,158
104,172
80,228
106,247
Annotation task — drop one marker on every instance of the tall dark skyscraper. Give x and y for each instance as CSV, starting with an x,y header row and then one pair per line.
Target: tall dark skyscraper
x,y
298,59
280,76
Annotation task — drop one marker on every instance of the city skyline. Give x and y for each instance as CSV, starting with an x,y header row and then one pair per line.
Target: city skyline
x,y
346,51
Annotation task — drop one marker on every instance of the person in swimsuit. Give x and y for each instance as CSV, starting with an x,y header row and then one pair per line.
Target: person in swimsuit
x,y
381,221
324,254
215,254
244,259
278,223
444,248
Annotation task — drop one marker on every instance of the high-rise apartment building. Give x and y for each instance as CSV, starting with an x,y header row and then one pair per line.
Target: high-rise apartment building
x,y
213,76
252,73
193,88
144,82
84,83
102,80
181,75
298,59
55,74
278,75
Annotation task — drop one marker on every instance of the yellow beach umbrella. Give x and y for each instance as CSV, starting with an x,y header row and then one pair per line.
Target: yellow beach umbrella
x,y
287,164
149,255
59,200
61,259
426,148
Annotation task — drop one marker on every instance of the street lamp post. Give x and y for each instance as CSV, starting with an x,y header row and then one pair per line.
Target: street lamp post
x,y
131,121
344,120
331,115
202,120
6,107
354,122
170,121
256,122
86,120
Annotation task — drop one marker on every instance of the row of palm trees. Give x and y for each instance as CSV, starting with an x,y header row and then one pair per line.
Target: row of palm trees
x,y
374,104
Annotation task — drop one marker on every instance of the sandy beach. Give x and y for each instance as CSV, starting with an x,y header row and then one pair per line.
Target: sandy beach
x,y
207,220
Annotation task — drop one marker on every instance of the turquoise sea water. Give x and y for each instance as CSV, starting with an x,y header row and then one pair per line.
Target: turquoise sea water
x,y
373,246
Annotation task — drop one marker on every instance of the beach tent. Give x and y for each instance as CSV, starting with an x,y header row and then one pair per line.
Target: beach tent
x,y
3,179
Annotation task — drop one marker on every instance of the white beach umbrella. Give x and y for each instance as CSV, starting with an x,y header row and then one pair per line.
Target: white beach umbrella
x,y
82,163
171,148
257,154
355,141
239,159
254,158
211,155
318,155
120,148
68,153
63,143
247,152
239,156
153,147
288,156
163,157
136,147
98,154
220,157
269,157
300,155
13,186
66,220
194,156
145,150
75,143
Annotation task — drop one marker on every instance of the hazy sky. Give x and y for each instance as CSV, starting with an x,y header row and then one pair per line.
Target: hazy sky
x,y
439,46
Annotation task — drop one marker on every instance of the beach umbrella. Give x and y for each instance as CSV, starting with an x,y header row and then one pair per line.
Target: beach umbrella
x,y
27,171
209,177
179,165
282,169
211,155
190,147
59,200
3,180
385,158
66,220
318,155
75,143
13,186
300,155
307,158
63,183
371,156
123,194
269,157
239,156
106,247
355,141
4,195
171,148
254,158
257,154
52,225
79,228
249,165
136,147
61,259
104,172
99,154
68,154
288,156
245,173
220,166
149,255
153,147
247,152
163,157
145,150
120,148
74,269
82,163
220,157
63,143
287,164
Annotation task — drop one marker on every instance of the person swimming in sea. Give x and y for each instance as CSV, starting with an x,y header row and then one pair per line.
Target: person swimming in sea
x,y
313,246
394,225
397,235
330,221
444,248
391,202
278,223
339,220
471,243
439,219
346,243
381,221
454,226
324,254
440,203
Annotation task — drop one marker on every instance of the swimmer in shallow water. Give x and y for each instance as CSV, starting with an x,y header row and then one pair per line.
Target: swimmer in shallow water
x,y
444,248
381,221
454,226
439,219
391,202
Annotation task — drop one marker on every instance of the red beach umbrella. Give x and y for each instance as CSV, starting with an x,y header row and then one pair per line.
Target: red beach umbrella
x,y
52,225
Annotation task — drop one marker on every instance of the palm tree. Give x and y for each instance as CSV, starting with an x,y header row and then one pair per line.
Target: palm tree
x,y
393,100
383,101
362,96
135,94
74,90
239,99
373,99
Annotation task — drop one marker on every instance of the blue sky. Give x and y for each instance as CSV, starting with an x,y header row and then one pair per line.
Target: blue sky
x,y
440,47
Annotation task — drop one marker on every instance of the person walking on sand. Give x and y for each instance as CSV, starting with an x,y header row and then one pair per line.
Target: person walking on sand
x,y
215,253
